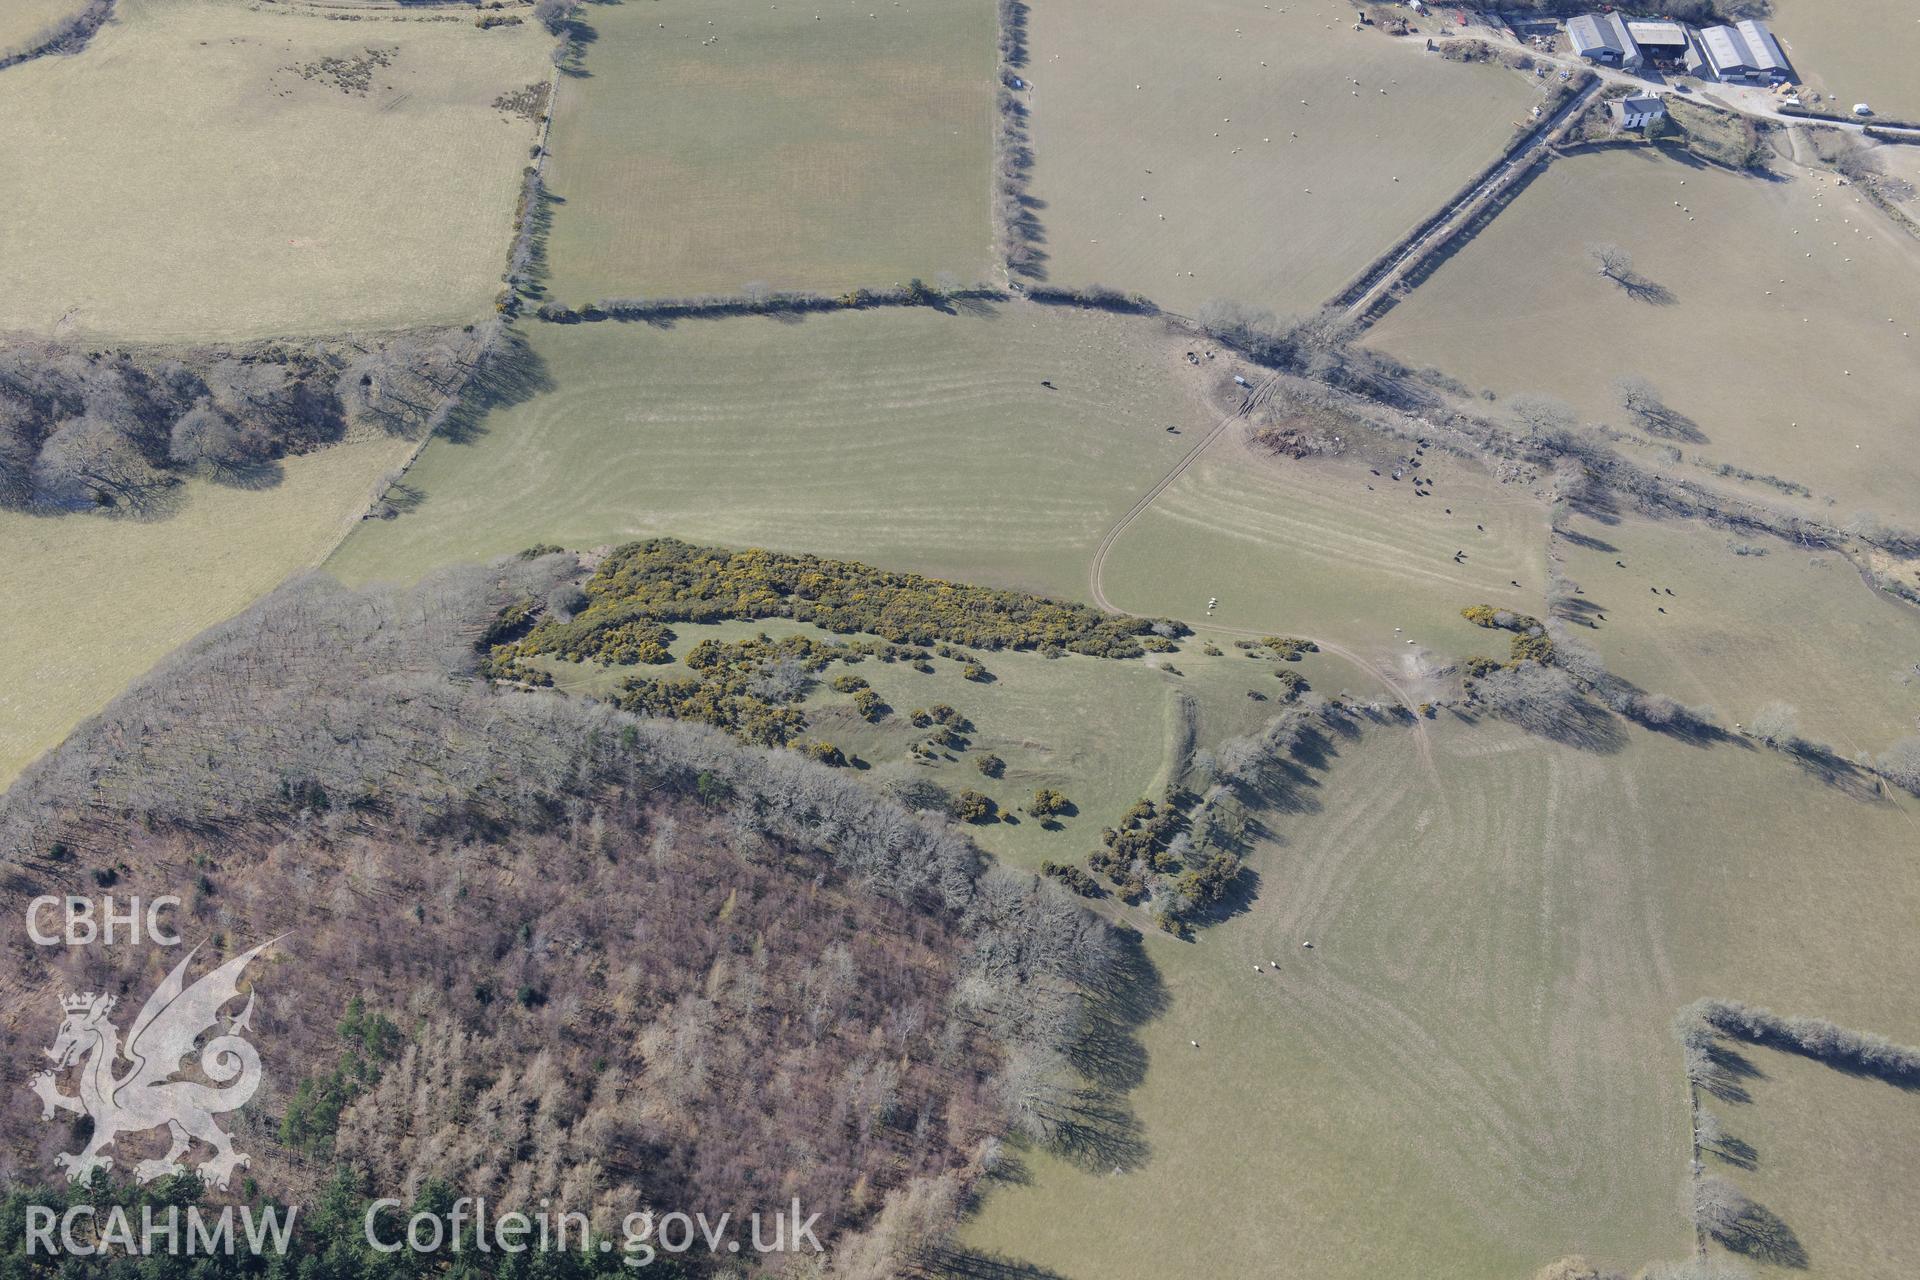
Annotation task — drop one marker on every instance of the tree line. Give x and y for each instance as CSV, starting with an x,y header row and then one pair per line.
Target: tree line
x,y
69,35
117,430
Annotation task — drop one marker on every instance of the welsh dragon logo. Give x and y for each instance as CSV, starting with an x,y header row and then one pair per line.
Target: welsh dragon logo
x,y
146,1096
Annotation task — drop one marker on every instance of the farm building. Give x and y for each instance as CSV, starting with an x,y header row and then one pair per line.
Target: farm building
x,y
1662,44
1636,112
1603,38
1697,58
1744,51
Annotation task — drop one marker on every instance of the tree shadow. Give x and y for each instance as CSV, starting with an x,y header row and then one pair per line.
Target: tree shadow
x,y
1589,728
1760,1234
513,374
950,1261
162,499
1095,1130
1581,723
1588,542
1013,33
268,473
572,57
1641,289
978,307
1669,423
1131,994
1025,227
1728,1071
400,499
1737,1152
1819,761
1283,787
531,279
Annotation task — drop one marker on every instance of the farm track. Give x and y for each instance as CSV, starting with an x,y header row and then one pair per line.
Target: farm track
x,y
1258,395
1443,225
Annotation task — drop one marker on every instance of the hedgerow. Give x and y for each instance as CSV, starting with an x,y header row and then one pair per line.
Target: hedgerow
x,y
1530,641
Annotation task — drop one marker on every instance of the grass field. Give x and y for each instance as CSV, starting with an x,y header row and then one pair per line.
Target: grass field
x,y
1836,1158
1902,162
817,146
1471,1073
1859,51
1792,339
202,171
1328,548
1223,149
93,602
22,20
908,439
1744,630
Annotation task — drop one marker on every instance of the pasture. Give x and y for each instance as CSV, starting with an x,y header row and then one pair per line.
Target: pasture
x,y
213,171
805,146
1863,51
840,434
1327,548
1232,149
22,20
1471,1072
1901,162
1835,1157
1787,339
150,586
1779,623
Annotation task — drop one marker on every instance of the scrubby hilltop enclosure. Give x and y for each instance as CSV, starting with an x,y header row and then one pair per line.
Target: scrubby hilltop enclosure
x,y
1062,639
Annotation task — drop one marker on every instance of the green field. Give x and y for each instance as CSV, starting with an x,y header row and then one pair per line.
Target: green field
x,y
905,438
819,146
1792,339
1327,548
22,20
1859,51
1741,631
206,173
1222,149
1836,1158
150,586
1471,1073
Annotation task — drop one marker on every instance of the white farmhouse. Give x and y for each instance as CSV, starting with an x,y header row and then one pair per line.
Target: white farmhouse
x,y
1636,112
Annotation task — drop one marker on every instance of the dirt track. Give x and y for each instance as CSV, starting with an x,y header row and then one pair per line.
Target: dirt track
x,y
1257,395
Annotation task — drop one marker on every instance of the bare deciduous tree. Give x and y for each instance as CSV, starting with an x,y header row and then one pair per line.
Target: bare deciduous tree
x,y
202,437
87,461
1543,415
1900,763
1638,396
554,14
1718,1205
1613,262
1777,725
